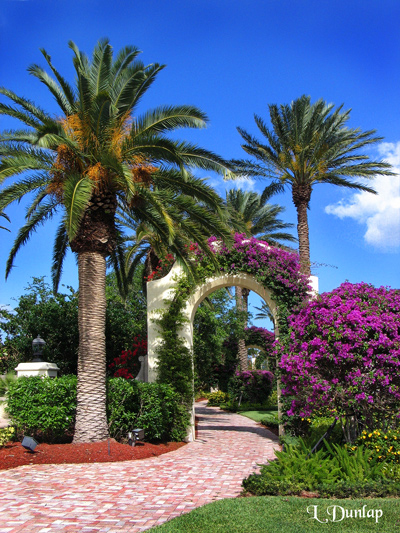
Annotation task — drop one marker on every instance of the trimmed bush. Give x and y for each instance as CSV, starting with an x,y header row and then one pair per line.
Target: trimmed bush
x,y
45,409
217,398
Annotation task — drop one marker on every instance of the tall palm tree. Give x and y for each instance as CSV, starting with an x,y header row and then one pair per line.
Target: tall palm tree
x,y
95,153
194,210
250,210
309,144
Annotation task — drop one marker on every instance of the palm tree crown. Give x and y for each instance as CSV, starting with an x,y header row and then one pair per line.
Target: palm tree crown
x,y
251,211
309,144
97,153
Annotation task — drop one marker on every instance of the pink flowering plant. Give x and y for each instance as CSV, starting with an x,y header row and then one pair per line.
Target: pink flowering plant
x,y
342,355
253,386
274,268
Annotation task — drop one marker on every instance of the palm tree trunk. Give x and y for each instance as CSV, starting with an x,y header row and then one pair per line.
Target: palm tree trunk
x,y
301,198
242,303
91,417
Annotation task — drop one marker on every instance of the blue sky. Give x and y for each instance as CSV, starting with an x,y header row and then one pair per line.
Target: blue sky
x,y
231,59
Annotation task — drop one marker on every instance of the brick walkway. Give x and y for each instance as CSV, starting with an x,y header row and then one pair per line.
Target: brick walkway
x,y
133,496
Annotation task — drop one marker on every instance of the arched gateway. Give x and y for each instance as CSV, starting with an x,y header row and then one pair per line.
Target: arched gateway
x,y
271,273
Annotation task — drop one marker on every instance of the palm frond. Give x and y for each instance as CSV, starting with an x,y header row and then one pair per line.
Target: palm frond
x,y
77,193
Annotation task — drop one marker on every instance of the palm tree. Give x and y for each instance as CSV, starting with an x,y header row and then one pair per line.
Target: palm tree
x,y
194,210
251,211
309,144
95,153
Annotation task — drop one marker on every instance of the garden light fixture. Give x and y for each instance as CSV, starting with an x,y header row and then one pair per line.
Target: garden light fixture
x,y
37,347
29,443
134,436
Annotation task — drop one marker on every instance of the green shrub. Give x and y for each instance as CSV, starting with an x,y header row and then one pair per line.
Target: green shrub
x,y
43,407
154,407
122,406
385,445
272,400
317,429
5,381
162,414
6,434
217,398
332,471
271,420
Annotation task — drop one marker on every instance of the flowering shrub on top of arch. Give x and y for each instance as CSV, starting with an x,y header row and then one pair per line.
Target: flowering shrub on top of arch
x,y
274,268
343,352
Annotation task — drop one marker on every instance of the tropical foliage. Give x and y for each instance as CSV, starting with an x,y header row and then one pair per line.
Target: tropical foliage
x,y
342,356
309,144
97,152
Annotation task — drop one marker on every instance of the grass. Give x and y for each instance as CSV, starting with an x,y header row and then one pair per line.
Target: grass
x,y
276,514
258,416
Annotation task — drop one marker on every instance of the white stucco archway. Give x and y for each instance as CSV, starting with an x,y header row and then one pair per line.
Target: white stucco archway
x,y
160,292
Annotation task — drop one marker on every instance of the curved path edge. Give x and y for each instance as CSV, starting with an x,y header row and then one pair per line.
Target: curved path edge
x,y
132,496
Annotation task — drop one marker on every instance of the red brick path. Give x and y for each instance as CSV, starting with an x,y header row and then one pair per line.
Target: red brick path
x,y
133,496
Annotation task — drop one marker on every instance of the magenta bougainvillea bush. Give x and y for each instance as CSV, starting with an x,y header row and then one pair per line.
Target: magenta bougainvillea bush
x,y
254,386
261,337
343,353
274,268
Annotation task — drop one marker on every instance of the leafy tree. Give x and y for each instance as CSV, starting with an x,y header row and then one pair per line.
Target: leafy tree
x,y
309,144
251,212
194,215
98,151
40,312
55,318
216,322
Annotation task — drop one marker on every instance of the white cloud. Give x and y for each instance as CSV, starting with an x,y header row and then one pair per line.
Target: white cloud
x,y
244,183
381,212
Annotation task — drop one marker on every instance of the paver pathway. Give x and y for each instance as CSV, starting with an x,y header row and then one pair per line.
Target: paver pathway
x,y
133,496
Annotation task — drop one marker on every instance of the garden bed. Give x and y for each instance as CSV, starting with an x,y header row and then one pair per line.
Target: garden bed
x,y
13,454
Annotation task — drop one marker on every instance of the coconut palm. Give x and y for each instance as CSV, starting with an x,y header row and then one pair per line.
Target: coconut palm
x,y
250,210
97,151
309,144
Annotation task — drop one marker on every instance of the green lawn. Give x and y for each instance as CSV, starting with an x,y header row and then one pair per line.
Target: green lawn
x,y
258,415
273,514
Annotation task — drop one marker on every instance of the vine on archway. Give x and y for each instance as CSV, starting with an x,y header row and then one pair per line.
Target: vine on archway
x,y
275,269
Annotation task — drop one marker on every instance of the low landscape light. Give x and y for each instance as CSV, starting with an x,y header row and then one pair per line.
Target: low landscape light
x,y
29,443
134,436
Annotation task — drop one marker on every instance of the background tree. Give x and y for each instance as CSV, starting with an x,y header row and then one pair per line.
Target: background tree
x,y
194,211
309,144
96,152
216,327
55,318
251,212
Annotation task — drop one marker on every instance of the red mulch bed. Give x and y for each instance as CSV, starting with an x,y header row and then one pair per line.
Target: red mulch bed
x,y
13,454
